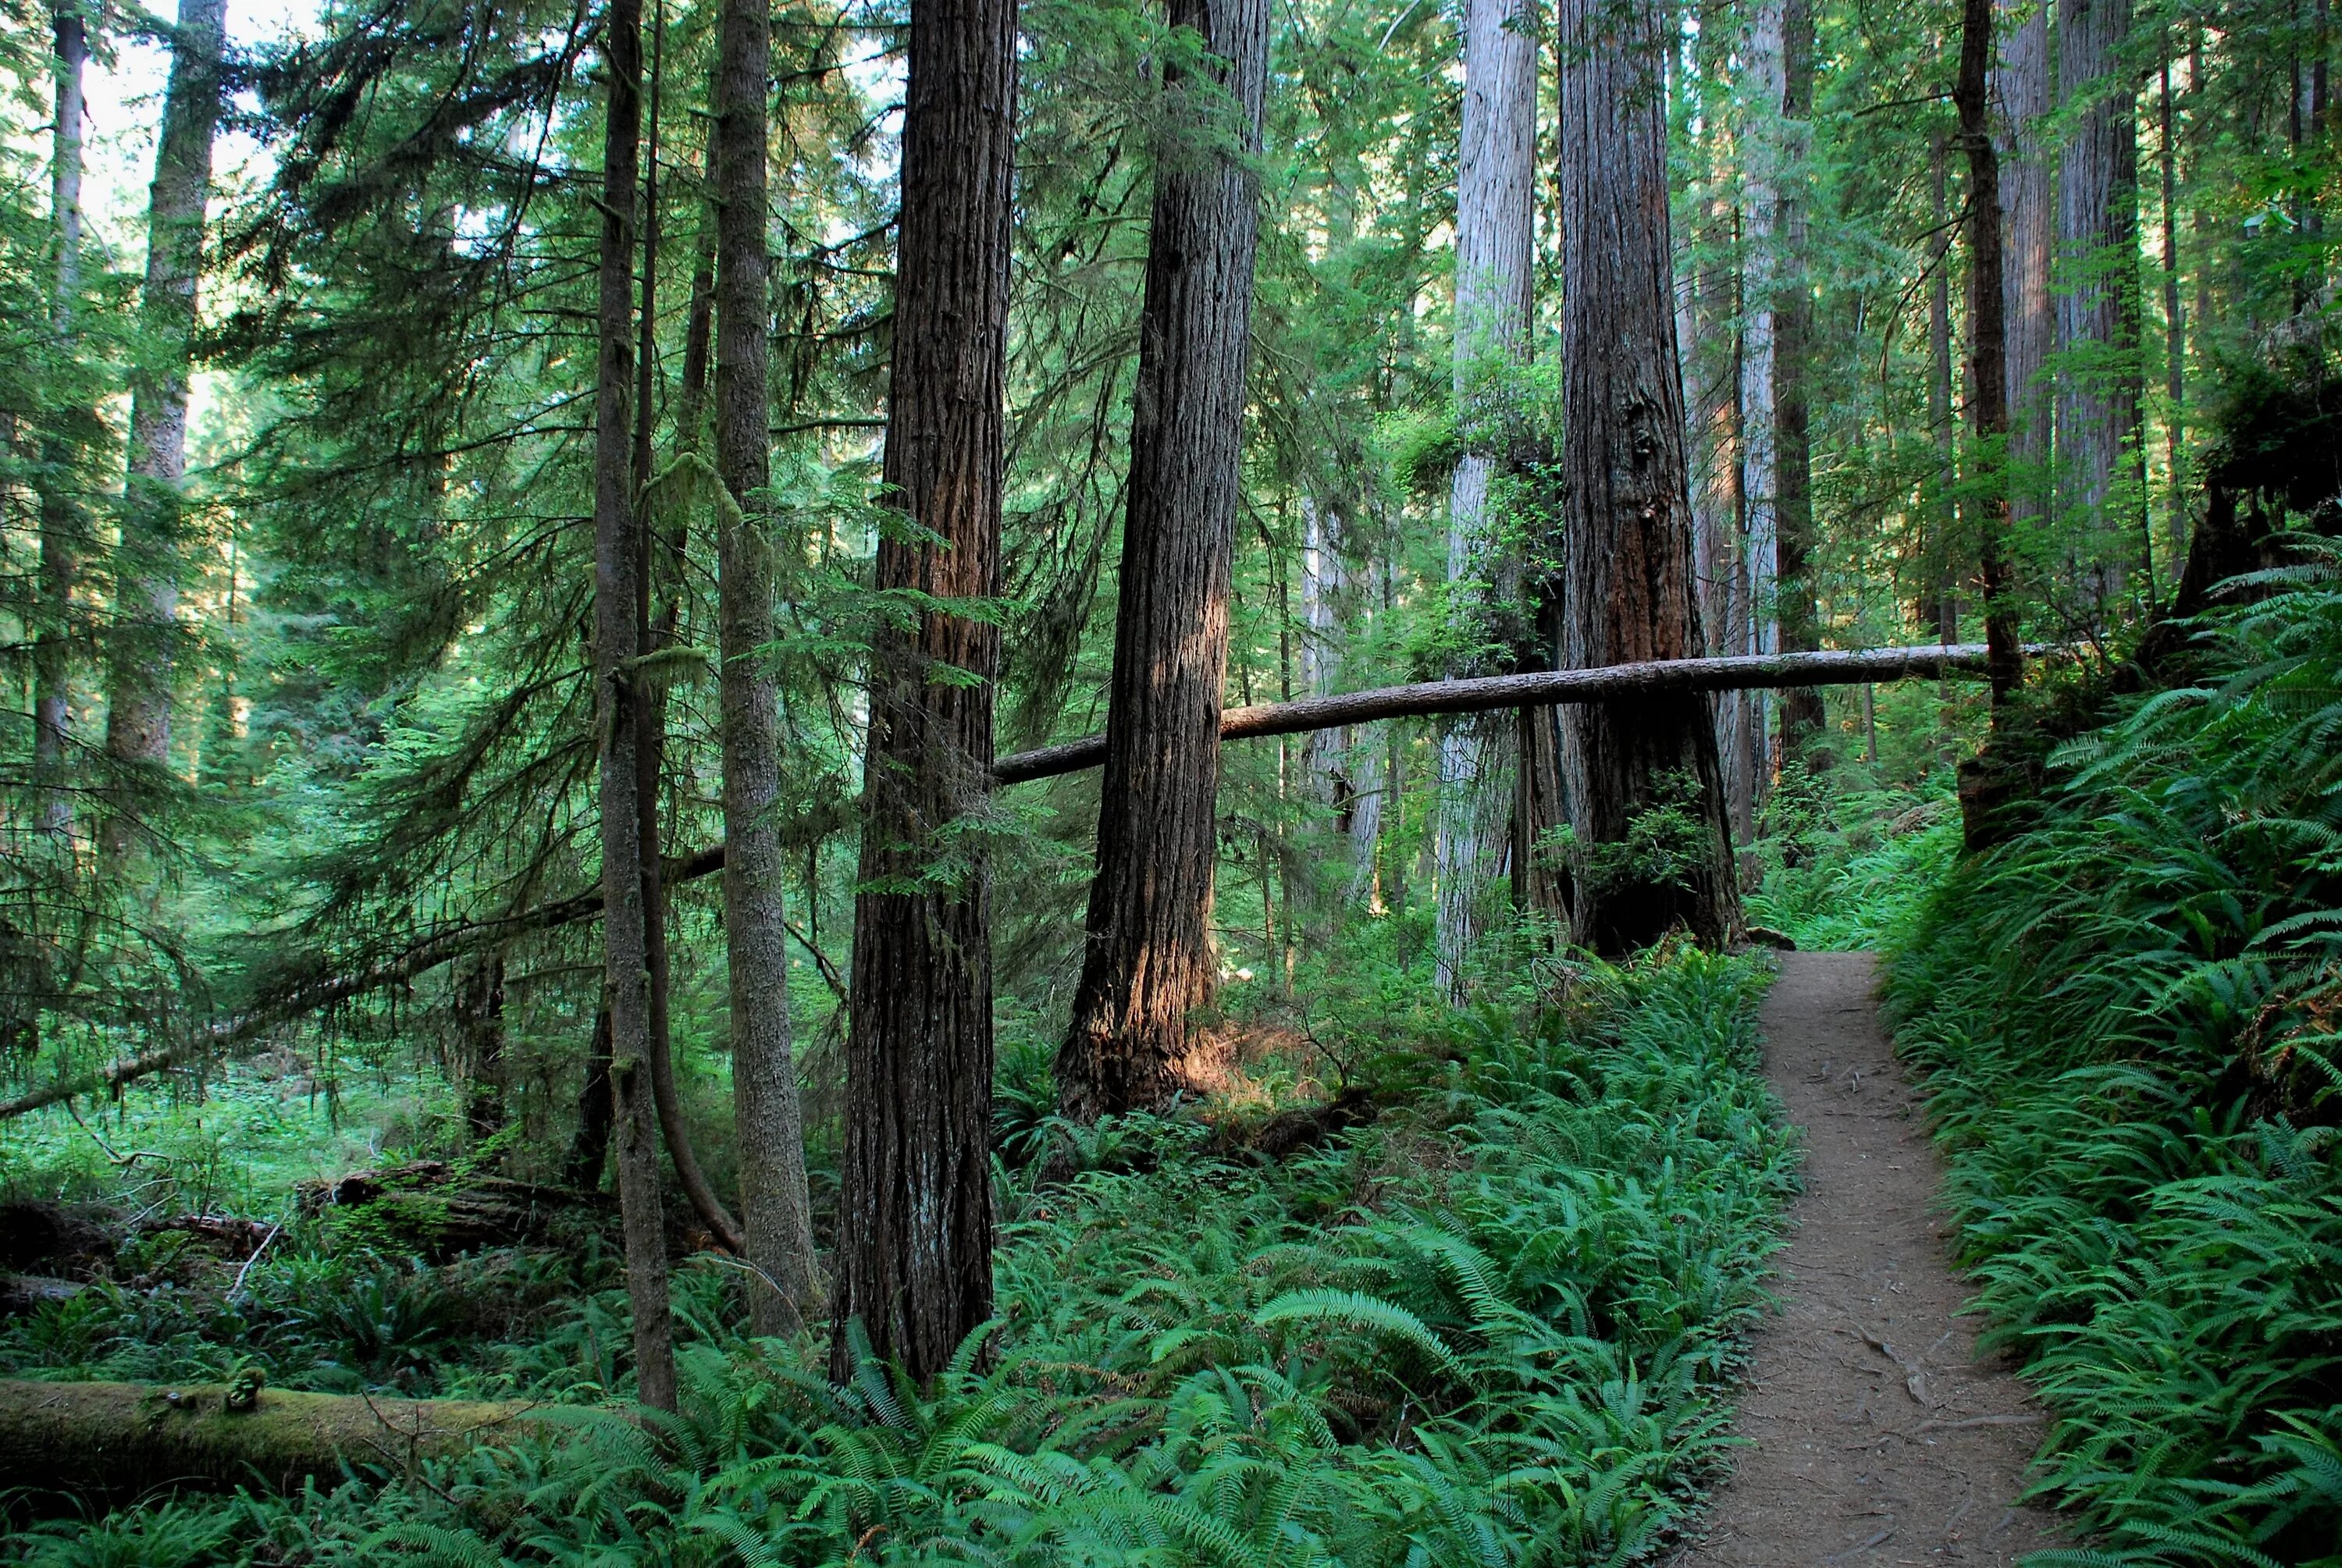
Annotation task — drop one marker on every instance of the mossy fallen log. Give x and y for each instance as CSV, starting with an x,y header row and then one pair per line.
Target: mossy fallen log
x,y
122,1439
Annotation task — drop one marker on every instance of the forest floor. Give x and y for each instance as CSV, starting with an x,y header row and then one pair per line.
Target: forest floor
x,y
1875,1434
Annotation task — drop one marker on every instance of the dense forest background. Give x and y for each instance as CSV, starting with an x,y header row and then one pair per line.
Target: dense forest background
x,y
2009,323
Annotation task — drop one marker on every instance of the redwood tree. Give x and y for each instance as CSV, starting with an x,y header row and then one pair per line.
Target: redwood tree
x,y
1627,519
915,1223
1149,957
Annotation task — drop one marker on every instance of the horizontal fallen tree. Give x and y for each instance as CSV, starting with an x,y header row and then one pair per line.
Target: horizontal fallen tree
x,y
1540,688
126,1439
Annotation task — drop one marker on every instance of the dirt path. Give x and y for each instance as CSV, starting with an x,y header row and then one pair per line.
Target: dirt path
x,y
1876,1438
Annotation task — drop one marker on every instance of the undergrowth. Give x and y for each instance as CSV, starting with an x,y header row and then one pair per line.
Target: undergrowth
x,y
1493,1327
2127,1018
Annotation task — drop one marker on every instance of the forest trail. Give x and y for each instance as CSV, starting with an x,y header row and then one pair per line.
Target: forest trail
x,y
1875,1436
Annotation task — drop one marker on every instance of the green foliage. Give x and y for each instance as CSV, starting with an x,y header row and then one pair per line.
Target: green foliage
x,y
1493,1327
2126,1016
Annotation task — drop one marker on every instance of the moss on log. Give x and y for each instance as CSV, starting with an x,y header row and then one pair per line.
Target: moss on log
x,y
127,1438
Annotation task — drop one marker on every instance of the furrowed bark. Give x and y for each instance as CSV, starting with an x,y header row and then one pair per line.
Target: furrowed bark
x,y
1764,72
2099,401
617,645
1802,718
1987,350
62,525
776,1206
915,1266
147,578
1148,957
2021,86
1626,509
1496,218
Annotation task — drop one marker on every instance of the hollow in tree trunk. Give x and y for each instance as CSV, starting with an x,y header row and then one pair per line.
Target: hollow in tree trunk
x,y
146,561
915,1258
1149,955
1627,508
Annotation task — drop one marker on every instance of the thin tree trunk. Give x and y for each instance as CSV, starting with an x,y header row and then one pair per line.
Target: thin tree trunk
x,y
616,648
2097,300
589,1149
479,998
651,555
146,571
1943,515
1627,506
915,1258
61,519
774,1202
1802,716
2175,330
1988,348
1765,72
1495,221
2021,86
1149,955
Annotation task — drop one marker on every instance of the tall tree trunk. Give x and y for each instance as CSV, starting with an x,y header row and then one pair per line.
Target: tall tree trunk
x,y
1712,383
2022,88
146,570
1802,717
478,993
619,702
61,519
915,1258
775,1202
1627,505
1149,954
1943,513
1764,79
2097,300
2175,330
1987,348
1496,222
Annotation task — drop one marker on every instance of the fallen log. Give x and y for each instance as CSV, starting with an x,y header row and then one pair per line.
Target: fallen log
x,y
123,1439
432,1207
1831,667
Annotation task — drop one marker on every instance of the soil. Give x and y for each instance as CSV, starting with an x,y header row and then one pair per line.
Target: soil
x,y
1875,1434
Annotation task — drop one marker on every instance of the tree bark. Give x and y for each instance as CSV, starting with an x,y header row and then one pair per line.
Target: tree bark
x,y
146,571
1764,80
617,645
1943,513
1496,222
2098,403
1626,508
2175,327
2021,85
1149,957
775,1205
1802,717
915,1259
125,1439
1987,350
62,525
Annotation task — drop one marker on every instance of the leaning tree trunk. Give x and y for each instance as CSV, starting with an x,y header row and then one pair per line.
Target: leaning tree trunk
x,y
147,563
1496,222
915,1258
1627,506
61,519
1802,716
2021,85
1149,954
617,645
774,1206
2097,300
